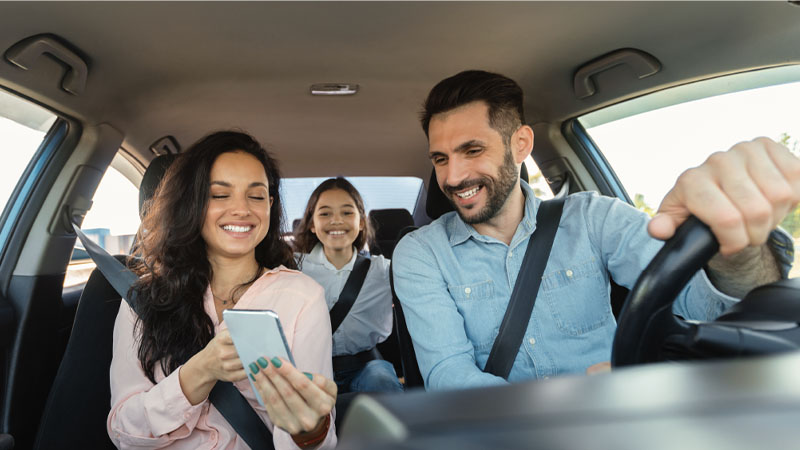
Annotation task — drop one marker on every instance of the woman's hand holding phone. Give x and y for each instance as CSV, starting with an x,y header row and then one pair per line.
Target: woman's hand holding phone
x,y
217,361
222,361
296,401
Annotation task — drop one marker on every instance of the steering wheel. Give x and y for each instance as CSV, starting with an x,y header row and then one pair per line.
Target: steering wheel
x,y
766,321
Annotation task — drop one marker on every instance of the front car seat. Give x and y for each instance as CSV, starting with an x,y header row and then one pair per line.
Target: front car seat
x,y
80,398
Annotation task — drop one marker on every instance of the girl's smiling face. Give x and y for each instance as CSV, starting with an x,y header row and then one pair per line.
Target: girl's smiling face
x,y
337,221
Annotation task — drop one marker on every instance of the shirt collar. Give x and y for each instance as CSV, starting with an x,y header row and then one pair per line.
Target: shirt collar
x,y
459,231
317,255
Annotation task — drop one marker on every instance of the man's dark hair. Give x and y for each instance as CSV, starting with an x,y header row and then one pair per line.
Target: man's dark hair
x,y
502,94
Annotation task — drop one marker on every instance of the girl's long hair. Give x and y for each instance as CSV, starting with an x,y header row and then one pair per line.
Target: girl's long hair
x,y
305,239
173,268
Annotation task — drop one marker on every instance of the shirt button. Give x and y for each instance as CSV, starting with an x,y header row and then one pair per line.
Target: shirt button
x,y
546,378
510,254
569,273
532,341
467,291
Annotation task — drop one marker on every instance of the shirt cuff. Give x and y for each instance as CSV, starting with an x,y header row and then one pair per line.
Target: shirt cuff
x,y
719,302
168,408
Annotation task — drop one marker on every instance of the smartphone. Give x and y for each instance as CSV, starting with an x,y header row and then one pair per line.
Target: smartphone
x,y
256,333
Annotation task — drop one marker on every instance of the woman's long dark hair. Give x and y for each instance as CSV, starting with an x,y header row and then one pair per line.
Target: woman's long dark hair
x,y
173,269
305,239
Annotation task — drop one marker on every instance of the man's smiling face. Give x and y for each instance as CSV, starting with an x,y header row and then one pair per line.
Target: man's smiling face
x,y
474,168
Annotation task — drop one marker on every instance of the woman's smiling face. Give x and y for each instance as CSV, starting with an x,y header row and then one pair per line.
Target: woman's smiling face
x,y
238,211
337,221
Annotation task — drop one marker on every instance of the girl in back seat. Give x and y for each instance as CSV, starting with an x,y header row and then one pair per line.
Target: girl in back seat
x,y
333,230
212,242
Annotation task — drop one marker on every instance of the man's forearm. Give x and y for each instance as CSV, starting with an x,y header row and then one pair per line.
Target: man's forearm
x,y
738,274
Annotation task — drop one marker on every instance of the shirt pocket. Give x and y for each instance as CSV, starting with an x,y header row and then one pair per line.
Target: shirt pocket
x,y
577,297
477,305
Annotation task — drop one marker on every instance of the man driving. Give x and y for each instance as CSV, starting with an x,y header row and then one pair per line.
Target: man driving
x,y
454,277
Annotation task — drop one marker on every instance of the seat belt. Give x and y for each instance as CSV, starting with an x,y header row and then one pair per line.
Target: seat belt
x,y
520,306
349,292
224,396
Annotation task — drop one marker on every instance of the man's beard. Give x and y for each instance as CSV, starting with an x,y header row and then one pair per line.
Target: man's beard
x,y
497,191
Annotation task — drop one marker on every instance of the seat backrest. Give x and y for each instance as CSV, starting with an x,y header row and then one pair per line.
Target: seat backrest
x,y
408,357
80,397
387,224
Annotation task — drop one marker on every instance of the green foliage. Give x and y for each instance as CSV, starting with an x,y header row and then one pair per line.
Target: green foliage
x,y
791,222
536,180
641,205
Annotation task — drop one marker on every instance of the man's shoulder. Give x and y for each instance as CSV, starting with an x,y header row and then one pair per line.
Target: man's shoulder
x,y
435,231
425,238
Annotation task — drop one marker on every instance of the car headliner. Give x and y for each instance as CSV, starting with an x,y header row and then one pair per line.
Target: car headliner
x,y
186,68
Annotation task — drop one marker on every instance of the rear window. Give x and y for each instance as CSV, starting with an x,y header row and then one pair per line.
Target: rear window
x,y
377,192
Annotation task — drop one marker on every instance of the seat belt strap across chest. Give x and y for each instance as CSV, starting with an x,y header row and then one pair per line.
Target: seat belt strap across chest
x,y
520,306
224,396
349,292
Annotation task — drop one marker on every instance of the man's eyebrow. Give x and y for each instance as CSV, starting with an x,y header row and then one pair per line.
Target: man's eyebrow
x,y
468,145
464,146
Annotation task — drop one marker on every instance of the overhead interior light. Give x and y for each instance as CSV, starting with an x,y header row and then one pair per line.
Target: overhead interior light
x,y
334,89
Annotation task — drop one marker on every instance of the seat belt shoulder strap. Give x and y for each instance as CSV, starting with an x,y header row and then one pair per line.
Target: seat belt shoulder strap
x,y
520,306
350,291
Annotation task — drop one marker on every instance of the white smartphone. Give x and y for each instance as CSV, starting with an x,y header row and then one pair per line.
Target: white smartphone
x,y
256,333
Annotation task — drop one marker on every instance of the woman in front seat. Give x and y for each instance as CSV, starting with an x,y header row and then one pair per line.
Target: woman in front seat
x,y
334,228
211,241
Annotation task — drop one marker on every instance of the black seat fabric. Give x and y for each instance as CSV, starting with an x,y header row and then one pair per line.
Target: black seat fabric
x,y
80,398
152,177
408,357
387,224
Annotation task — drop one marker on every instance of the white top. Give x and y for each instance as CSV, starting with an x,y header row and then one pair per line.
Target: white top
x,y
369,321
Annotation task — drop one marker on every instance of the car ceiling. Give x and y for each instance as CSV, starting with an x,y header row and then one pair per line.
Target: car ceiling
x,y
186,68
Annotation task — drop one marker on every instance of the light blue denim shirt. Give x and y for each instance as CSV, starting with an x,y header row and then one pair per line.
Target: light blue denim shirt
x,y
455,284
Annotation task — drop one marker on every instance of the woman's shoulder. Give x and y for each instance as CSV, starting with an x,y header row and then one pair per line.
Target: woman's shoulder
x,y
284,277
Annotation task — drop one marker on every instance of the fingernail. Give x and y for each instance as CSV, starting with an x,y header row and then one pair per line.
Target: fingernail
x,y
310,377
253,367
262,362
276,362
252,377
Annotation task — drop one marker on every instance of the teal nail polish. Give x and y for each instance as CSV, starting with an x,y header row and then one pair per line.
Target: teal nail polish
x,y
276,362
310,377
253,368
252,377
262,362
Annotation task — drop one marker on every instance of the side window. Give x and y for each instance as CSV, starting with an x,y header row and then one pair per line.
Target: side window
x,y
23,126
112,221
649,145
535,178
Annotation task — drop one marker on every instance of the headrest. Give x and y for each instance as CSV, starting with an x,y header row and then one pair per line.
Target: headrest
x,y
388,222
437,204
152,177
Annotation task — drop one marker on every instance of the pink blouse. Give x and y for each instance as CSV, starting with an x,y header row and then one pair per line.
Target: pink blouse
x,y
158,416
